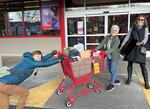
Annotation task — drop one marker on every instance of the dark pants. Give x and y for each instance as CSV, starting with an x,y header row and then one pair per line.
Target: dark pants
x,y
143,69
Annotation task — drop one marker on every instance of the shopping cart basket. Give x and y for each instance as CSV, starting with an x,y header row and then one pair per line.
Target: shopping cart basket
x,y
84,79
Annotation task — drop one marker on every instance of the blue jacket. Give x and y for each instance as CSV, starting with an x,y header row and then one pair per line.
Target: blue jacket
x,y
26,65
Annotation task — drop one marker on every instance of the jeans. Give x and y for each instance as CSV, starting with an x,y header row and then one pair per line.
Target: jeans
x,y
112,68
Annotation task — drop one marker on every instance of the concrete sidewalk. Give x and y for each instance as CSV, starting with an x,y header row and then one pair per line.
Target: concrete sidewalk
x,y
123,97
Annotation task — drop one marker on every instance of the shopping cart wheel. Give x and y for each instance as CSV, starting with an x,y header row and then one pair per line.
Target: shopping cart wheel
x,y
59,92
69,103
91,86
98,91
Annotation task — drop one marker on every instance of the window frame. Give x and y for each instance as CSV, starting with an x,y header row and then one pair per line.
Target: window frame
x,y
61,23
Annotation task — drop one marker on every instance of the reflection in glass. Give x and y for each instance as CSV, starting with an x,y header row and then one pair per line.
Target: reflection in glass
x,y
95,24
2,22
32,22
120,20
74,40
50,18
94,39
121,37
15,23
91,47
75,25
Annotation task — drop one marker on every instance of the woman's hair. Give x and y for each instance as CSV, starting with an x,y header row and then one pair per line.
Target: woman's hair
x,y
145,20
36,52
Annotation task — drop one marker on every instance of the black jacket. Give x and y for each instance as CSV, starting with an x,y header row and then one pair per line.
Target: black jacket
x,y
135,54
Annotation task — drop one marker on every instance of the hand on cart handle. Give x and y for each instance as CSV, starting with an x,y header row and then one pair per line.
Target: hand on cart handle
x,y
94,50
54,52
103,54
60,55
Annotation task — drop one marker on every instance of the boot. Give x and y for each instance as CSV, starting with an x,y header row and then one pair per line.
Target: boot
x,y
147,86
145,76
129,68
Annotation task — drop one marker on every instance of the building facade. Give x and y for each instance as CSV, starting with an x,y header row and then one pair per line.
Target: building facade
x,y
90,21
27,25
55,24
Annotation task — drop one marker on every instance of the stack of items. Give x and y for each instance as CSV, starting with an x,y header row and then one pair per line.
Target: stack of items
x,y
72,53
96,61
81,61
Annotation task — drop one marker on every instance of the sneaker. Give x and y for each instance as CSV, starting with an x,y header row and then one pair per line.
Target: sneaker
x,y
117,82
110,88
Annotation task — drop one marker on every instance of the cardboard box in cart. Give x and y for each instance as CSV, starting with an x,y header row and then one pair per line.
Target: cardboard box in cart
x,y
97,61
82,67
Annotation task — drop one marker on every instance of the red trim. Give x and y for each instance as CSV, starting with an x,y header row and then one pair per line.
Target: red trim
x,y
62,24
62,27
42,36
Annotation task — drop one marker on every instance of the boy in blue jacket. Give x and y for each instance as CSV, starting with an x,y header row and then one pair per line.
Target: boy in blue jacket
x,y
21,71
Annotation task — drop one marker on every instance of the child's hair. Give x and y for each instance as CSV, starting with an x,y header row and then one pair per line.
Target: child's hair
x,y
36,52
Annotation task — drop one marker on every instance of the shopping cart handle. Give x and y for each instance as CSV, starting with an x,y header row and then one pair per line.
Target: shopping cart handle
x,y
102,53
94,50
58,53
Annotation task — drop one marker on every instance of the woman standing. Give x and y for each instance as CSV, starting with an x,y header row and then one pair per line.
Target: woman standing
x,y
139,33
111,44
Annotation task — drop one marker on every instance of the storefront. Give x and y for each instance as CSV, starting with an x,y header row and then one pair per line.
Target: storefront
x,y
90,21
55,24
31,24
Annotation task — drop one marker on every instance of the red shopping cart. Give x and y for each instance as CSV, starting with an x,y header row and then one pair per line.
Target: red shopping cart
x,y
80,73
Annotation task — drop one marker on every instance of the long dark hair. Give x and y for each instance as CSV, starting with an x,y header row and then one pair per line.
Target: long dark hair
x,y
145,20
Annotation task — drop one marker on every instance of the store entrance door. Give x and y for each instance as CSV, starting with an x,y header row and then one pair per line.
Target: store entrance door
x,y
98,26
91,29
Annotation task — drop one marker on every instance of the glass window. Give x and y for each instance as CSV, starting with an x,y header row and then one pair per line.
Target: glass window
x,y
120,20
95,25
121,37
15,23
75,25
2,23
32,22
36,21
31,18
94,39
74,40
50,18
91,47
